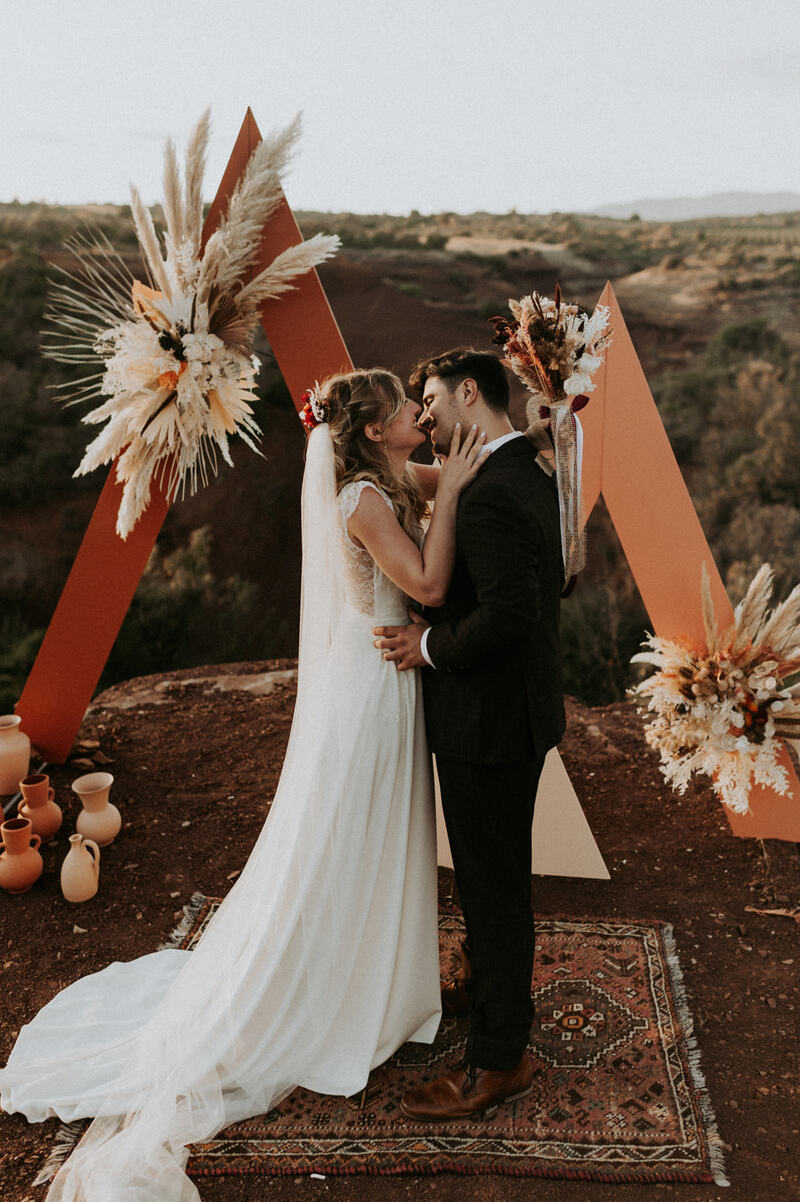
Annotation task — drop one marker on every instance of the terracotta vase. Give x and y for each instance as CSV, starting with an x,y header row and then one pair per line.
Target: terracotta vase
x,y
20,862
38,805
80,872
99,819
15,753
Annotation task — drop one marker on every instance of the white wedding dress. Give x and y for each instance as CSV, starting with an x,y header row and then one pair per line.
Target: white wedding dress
x,y
323,958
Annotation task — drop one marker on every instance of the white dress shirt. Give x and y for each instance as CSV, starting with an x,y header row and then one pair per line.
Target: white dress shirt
x,y
490,446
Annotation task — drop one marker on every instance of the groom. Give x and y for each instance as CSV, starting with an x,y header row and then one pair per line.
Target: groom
x,y
493,708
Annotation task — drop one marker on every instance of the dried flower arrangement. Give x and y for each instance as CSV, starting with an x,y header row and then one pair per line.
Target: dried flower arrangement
x,y
177,368
554,349
722,709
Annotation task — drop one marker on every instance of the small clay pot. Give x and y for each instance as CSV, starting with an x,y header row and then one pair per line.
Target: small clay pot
x,y
80,872
15,753
99,819
20,862
38,805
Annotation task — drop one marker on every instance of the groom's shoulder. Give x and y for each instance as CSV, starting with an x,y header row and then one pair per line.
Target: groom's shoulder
x,y
507,469
513,488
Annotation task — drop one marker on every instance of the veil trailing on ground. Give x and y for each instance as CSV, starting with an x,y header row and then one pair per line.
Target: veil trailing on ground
x,y
168,1049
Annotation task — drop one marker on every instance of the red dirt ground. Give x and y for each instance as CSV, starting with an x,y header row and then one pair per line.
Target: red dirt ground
x,y
195,770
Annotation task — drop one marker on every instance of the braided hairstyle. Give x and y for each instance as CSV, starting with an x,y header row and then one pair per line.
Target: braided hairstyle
x,y
355,400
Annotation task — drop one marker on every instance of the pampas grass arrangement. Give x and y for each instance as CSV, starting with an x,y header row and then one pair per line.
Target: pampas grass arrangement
x,y
722,709
177,371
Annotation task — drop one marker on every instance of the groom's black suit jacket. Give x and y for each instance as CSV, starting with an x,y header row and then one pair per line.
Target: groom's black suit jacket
x,y
495,693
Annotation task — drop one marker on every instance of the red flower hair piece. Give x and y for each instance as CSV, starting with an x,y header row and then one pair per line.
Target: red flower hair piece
x,y
314,410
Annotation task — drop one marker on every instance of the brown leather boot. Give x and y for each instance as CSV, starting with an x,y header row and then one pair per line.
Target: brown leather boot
x,y
466,1091
455,993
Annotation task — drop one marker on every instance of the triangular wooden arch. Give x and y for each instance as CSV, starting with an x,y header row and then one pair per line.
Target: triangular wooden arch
x,y
628,459
663,543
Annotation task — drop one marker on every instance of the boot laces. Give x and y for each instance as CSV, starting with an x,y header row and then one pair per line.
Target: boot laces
x,y
470,1075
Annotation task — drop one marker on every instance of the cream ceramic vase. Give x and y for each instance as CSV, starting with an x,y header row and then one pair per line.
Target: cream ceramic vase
x,y
20,862
80,872
38,805
99,819
15,753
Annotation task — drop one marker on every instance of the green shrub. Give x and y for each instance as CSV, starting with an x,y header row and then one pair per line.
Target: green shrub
x,y
487,306
409,288
23,289
182,616
684,400
601,628
746,339
18,649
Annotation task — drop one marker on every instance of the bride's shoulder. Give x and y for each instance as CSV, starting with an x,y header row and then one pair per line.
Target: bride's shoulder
x,y
350,495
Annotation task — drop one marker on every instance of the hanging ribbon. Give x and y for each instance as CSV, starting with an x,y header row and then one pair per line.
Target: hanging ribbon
x,y
565,438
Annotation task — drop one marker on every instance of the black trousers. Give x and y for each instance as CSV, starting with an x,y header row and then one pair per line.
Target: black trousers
x,y
488,809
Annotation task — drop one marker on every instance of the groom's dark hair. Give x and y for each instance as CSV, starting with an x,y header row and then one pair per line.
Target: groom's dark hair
x,y
465,363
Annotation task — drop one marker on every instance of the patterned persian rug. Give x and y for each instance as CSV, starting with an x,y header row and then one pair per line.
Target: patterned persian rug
x,y
618,1091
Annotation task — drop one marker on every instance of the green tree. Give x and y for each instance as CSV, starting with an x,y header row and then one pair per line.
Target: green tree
x,y
182,616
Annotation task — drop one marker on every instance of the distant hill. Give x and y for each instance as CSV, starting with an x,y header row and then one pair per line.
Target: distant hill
x,y
690,208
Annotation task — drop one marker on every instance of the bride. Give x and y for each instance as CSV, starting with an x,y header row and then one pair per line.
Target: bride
x,y
323,959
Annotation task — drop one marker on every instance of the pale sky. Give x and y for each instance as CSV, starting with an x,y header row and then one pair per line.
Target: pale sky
x,y
437,105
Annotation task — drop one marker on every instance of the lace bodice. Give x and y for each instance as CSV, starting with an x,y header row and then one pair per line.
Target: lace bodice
x,y
368,590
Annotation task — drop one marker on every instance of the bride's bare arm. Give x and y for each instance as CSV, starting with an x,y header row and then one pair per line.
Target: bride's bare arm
x,y
427,478
423,575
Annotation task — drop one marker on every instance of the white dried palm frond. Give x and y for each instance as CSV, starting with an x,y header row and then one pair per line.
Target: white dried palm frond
x,y
83,302
195,171
277,278
251,204
148,240
751,610
228,322
98,290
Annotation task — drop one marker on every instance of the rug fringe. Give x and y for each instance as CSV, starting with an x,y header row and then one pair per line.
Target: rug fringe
x,y
191,912
67,1137
715,1142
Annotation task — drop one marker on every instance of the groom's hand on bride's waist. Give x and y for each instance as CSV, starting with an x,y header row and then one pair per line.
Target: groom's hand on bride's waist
x,y
401,644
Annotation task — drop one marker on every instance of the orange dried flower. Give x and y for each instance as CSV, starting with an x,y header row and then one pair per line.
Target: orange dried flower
x,y
169,379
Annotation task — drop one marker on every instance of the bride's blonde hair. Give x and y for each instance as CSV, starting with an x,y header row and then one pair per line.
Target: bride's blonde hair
x,y
355,400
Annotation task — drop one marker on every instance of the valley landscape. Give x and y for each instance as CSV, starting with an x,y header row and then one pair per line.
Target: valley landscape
x,y
712,305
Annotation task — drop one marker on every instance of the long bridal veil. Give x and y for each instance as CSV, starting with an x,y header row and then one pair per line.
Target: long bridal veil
x,y
170,1048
